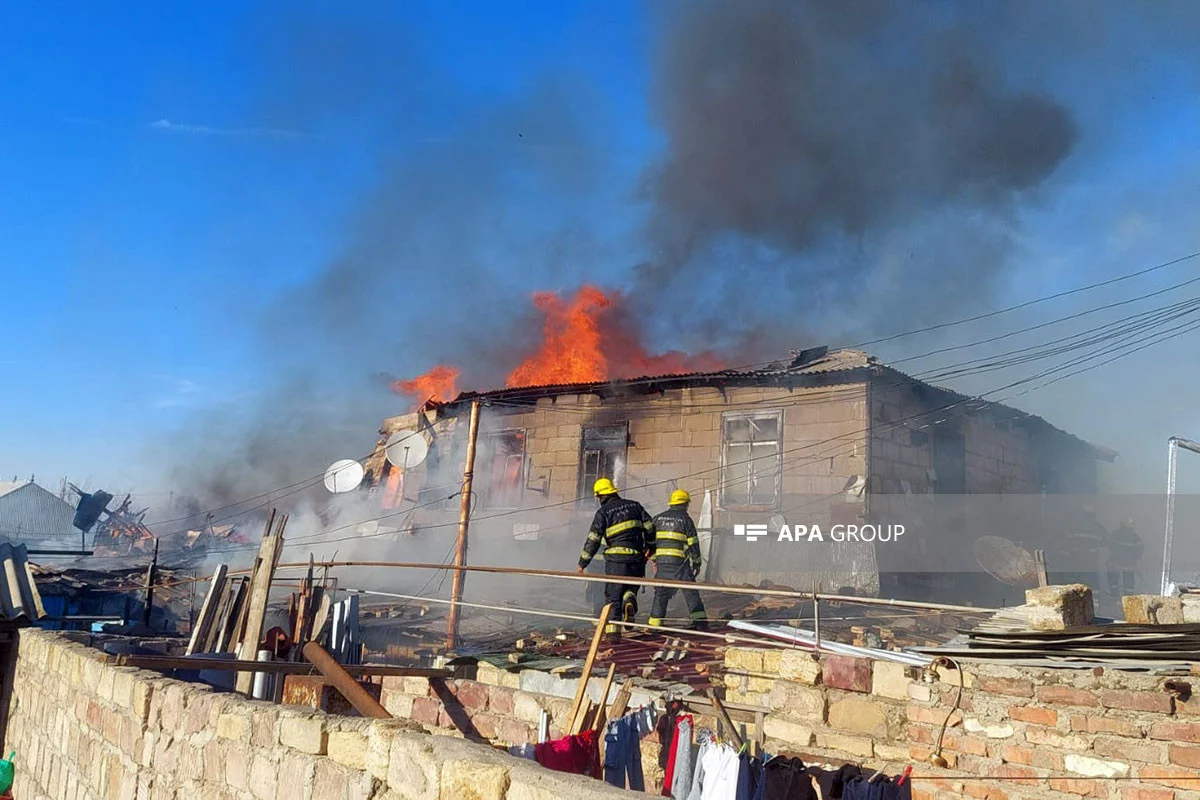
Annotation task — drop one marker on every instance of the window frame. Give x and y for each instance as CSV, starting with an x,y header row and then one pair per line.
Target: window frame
x,y
584,483
724,501
488,495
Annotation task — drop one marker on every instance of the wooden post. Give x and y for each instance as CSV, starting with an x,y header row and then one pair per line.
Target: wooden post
x,y
576,716
256,605
602,708
151,576
464,521
1039,558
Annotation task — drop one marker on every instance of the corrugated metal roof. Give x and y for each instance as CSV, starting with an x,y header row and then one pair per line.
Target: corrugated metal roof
x,y
19,596
818,361
30,513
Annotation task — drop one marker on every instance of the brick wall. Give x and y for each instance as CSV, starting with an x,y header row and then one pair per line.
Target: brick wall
x,y
84,730
1018,733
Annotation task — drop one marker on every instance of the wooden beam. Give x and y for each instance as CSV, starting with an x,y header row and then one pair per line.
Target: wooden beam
x,y
621,701
276,667
722,715
574,720
260,589
602,707
208,610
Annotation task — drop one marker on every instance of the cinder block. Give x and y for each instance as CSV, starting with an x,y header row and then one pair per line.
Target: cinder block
x,y
304,733
1057,608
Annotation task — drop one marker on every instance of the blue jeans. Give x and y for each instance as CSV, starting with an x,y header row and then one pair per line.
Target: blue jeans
x,y
623,755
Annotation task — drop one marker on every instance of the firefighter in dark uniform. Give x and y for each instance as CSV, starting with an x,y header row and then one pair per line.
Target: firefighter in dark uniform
x,y
623,527
675,549
1124,552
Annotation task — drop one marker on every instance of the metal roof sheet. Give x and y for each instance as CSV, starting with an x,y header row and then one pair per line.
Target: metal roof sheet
x,y
818,361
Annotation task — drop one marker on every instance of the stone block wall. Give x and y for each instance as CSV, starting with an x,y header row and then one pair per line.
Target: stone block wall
x,y
1016,733
85,730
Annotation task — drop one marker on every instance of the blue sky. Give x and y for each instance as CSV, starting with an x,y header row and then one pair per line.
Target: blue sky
x,y
163,192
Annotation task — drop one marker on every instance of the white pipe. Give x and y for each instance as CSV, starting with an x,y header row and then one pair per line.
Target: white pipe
x,y
807,639
261,688
1173,445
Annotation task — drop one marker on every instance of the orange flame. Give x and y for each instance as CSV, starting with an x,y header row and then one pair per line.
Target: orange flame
x,y
585,339
571,350
438,384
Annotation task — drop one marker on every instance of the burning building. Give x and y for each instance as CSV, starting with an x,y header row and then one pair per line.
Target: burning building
x,y
828,438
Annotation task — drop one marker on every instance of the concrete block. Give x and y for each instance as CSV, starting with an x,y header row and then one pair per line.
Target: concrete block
x,y
348,748
800,667
296,778
527,708
235,727
413,771
854,745
860,715
794,701
1149,609
264,780
793,733
304,733
471,780
1056,608
890,679
744,659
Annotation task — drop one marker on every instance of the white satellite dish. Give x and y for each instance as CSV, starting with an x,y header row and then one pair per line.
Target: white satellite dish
x,y
343,476
406,449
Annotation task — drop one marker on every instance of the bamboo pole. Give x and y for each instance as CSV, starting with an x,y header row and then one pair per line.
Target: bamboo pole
x,y
464,522
658,582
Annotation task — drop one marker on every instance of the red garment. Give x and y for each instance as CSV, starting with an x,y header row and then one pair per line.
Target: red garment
x,y
669,772
578,754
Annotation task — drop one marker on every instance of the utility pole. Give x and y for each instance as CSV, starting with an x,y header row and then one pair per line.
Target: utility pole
x,y
464,521
151,577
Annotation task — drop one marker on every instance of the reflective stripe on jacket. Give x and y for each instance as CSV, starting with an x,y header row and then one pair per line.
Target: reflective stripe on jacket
x,y
623,527
675,536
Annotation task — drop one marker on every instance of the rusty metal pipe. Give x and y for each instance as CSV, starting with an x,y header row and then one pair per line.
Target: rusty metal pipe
x,y
356,695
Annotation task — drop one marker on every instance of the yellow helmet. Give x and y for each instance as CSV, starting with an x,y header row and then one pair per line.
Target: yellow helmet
x,y
604,486
679,497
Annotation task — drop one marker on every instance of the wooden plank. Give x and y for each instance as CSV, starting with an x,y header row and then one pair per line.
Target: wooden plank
x,y
260,589
230,620
208,609
275,667
621,701
601,716
575,718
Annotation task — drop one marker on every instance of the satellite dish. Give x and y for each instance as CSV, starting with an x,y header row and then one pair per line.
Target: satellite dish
x,y
343,476
406,449
1005,561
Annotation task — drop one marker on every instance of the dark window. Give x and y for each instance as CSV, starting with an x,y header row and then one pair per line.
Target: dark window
x,y
504,454
949,463
602,456
751,452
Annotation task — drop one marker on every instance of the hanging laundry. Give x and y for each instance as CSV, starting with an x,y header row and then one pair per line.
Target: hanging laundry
x,y
623,754
683,756
579,754
750,777
716,773
787,779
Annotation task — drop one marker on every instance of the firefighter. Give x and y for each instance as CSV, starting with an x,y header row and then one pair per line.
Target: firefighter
x,y
1124,552
623,527
1084,541
675,549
